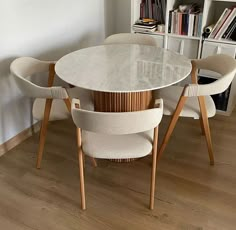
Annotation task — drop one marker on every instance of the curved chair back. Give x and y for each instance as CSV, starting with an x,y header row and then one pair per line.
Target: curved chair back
x,y
24,67
117,123
220,63
129,38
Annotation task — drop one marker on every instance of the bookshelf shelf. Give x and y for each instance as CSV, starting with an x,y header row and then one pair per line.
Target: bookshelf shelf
x,y
183,36
224,1
152,33
221,41
195,46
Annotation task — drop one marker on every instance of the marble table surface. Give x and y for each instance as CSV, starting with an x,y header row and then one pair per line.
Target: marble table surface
x,y
123,68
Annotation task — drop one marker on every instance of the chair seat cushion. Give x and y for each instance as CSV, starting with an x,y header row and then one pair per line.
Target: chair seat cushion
x,y
59,110
117,146
171,95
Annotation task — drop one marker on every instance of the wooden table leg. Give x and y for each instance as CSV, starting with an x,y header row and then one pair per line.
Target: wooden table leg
x,y
122,102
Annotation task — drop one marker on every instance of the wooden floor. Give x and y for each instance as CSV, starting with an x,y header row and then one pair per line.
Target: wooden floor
x,y
190,194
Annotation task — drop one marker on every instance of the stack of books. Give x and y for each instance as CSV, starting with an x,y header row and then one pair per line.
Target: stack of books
x,y
154,9
186,20
145,25
225,27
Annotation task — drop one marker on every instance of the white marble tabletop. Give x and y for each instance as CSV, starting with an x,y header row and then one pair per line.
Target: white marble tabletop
x,y
123,68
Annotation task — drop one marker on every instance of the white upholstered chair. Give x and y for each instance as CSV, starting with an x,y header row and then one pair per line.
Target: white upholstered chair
x,y
117,136
52,102
130,38
194,100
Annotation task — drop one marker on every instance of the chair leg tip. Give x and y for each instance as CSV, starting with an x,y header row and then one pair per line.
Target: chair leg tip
x,y
212,163
38,166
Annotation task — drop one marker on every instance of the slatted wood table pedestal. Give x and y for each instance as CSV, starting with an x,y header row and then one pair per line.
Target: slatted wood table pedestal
x,y
122,102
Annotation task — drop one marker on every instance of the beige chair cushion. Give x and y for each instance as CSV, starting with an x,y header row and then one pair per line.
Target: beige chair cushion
x,y
117,146
171,95
58,110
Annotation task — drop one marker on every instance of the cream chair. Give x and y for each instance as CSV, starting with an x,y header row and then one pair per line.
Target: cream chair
x,y
117,136
194,100
129,38
53,102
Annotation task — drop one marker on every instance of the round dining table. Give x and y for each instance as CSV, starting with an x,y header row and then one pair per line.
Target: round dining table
x,y
123,76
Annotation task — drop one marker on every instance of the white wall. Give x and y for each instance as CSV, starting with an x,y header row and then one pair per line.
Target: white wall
x,y
44,29
122,16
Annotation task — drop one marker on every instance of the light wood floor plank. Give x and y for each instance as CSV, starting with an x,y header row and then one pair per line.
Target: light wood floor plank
x,y
190,194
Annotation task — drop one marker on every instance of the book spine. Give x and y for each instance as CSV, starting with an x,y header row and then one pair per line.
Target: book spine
x,y
142,10
187,24
196,20
150,9
180,23
176,23
199,32
183,32
233,34
219,22
190,25
146,9
222,26
170,21
213,32
229,28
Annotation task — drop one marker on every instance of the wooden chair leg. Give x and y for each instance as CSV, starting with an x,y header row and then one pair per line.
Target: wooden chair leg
x,y
172,124
43,131
195,81
203,110
68,104
81,173
154,165
81,169
202,126
94,162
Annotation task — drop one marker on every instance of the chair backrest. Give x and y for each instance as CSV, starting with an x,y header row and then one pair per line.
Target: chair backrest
x,y
220,63
24,67
129,38
117,123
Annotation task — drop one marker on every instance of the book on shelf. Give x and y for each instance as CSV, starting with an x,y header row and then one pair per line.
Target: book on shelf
x,y
230,29
145,25
225,26
154,9
220,22
186,20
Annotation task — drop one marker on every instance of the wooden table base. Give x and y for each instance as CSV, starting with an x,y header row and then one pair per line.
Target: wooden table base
x,y
122,102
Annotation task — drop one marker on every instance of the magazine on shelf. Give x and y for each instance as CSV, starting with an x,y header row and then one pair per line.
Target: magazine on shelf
x,y
225,25
230,29
220,22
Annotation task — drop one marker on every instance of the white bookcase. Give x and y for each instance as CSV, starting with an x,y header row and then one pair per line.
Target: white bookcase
x,y
195,47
